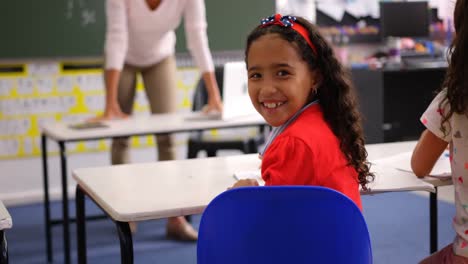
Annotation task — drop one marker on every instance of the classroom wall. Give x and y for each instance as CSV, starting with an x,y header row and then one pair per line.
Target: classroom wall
x,y
54,91
22,182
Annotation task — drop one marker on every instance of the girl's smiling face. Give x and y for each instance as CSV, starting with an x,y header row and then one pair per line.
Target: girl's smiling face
x,y
280,81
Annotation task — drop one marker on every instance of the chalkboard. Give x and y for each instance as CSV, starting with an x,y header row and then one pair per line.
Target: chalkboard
x,y
51,28
76,28
229,22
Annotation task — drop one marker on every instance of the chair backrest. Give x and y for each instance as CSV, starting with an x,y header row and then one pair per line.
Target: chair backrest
x,y
283,224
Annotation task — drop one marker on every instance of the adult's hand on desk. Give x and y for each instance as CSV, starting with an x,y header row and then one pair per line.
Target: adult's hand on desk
x,y
110,113
112,110
213,106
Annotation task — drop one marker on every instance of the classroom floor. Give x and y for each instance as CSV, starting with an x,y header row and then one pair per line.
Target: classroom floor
x,y
398,224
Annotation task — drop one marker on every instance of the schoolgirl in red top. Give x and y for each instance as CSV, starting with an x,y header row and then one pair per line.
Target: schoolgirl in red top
x,y
299,87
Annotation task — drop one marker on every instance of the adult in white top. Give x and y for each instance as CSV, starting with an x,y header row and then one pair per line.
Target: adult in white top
x,y
140,38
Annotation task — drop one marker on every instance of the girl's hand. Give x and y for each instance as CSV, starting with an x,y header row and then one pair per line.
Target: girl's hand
x,y
245,183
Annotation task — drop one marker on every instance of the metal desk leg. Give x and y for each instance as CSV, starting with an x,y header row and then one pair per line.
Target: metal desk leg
x,y
433,220
80,225
66,220
126,244
3,248
45,176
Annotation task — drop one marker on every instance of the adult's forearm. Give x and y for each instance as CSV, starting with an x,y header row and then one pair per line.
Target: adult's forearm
x,y
211,85
111,77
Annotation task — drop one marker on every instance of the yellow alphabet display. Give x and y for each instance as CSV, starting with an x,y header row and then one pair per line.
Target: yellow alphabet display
x,y
35,93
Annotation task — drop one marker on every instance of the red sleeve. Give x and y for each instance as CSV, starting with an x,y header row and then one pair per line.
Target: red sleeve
x,y
288,161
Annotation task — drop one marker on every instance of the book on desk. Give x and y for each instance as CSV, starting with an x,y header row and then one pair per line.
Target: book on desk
x,y
87,125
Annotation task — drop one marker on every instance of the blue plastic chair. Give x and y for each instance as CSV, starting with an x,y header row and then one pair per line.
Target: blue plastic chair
x,y
283,224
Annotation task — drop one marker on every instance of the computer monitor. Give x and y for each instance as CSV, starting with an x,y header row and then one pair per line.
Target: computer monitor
x,y
404,19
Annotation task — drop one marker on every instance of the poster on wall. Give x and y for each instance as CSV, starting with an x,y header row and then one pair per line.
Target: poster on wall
x,y
36,93
303,8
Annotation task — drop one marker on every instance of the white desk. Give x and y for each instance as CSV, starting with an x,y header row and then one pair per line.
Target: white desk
x,y
145,125
137,192
134,126
379,151
5,223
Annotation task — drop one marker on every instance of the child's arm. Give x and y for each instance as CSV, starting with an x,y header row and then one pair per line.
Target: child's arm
x,y
426,153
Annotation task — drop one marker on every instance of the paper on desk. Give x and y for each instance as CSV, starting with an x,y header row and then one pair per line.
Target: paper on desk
x,y
402,161
5,218
248,174
5,223
390,179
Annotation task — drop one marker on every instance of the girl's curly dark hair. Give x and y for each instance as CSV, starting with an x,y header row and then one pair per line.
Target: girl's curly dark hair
x,y
456,78
335,92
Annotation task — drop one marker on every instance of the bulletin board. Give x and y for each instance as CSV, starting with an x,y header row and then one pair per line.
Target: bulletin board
x,y
35,93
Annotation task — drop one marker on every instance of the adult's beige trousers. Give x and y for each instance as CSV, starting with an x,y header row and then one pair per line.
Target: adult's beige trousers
x,y
159,81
